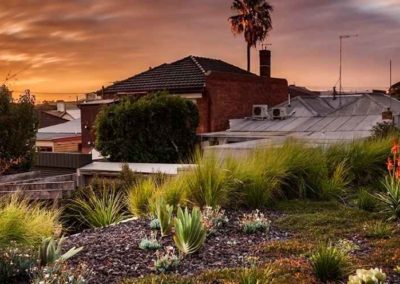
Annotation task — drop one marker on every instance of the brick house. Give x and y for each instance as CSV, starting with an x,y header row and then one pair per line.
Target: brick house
x,y
220,90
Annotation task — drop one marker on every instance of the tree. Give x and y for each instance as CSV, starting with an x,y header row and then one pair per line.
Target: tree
x,y
155,128
18,126
253,20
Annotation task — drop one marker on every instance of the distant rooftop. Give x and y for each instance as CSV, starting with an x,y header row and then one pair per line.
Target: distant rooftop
x,y
64,130
185,75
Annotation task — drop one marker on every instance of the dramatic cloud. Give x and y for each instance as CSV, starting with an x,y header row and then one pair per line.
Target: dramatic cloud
x,y
75,46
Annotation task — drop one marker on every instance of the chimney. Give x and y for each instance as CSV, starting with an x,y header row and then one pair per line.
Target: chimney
x,y
61,106
265,63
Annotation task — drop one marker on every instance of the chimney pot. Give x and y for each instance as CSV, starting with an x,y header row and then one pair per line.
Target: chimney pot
x,y
265,63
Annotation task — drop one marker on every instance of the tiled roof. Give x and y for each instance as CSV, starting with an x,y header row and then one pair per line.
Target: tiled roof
x,y
185,75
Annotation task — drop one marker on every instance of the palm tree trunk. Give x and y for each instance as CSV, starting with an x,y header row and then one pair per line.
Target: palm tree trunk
x,y
248,57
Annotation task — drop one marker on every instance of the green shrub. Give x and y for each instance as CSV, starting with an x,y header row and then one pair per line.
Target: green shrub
x,y
329,263
166,261
16,263
190,233
158,128
98,210
366,201
255,222
390,199
139,197
150,243
255,275
208,183
25,222
164,216
378,229
155,224
50,251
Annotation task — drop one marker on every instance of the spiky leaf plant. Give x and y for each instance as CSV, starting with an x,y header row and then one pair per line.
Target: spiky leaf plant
x,y
164,215
190,233
390,199
51,250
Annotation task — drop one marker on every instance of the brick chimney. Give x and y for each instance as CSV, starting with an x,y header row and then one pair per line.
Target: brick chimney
x,y
265,63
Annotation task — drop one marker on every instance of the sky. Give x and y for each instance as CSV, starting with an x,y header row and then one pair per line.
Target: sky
x,y
64,49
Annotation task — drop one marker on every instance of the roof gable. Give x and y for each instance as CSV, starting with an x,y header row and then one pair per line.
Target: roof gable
x,y
185,75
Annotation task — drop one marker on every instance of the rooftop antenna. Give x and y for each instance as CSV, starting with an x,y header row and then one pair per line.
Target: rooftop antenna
x,y
341,38
390,82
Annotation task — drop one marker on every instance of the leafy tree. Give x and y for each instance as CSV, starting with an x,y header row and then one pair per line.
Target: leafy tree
x,y
155,128
18,126
253,19
384,130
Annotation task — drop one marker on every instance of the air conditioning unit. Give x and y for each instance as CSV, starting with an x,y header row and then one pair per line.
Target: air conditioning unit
x,y
279,113
260,112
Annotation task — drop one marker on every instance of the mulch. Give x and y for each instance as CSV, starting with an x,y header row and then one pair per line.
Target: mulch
x,y
112,253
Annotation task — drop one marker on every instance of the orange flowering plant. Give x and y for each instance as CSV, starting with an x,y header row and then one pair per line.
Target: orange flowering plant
x,y
391,197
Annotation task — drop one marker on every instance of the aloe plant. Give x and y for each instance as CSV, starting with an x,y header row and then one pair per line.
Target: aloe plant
x,y
164,216
50,251
190,233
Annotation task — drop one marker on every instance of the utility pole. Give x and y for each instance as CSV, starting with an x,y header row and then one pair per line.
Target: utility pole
x,y
340,65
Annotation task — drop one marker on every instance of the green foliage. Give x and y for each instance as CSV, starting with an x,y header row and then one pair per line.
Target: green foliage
x,y
150,243
98,209
190,233
127,177
329,263
366,201
139,197
378,229
164,215
15,264
208,183
335,184
255,222
25,222
18,126
390,199
173,190
155,224
60,273
365,160
155,128
253,275
166,261
384,130
50,251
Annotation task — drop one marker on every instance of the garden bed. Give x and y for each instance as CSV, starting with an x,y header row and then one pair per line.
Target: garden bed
x,y
113,253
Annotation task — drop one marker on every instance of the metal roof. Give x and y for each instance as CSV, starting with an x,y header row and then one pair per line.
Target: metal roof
x,y
318,118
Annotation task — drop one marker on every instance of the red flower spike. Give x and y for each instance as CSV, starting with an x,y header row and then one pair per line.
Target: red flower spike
x,y
390,165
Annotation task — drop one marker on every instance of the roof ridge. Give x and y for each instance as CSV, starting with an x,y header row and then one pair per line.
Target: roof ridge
x,y
198,64
308,106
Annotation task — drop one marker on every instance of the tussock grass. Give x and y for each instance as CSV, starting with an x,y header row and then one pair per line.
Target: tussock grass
x,y
25,222
140,196
98,209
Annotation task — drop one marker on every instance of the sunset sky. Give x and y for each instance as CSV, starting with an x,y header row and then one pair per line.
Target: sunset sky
x,y
62,49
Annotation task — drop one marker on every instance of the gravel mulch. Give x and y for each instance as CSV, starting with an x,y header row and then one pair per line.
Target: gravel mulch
x,y
112,253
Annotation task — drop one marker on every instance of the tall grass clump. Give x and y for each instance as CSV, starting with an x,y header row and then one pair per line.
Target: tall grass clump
x,y
208,184
366,201
365,159
173,191
139,197
24,222
390,199
329,263
334,184
299,168
254,186
98,209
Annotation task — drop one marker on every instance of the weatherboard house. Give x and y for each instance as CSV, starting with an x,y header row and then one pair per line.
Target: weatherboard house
x,y
220,90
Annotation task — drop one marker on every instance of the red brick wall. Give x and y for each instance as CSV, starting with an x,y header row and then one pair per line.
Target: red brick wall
x,y
233,96
88,117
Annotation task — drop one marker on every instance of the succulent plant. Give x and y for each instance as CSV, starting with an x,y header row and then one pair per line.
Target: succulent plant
x,y
255,222
166,261
190,233
50,251
155,224
150,243
164,216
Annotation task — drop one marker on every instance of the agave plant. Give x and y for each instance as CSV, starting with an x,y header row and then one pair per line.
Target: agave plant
x,y
190,233
50,251
390,199
164,216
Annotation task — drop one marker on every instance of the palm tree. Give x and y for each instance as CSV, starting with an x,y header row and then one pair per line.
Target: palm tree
x,y
253,19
